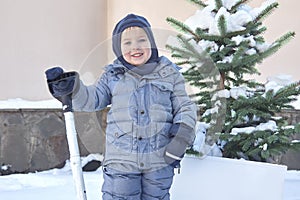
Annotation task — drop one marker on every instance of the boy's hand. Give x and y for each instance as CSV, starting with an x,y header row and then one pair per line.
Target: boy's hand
x,y
62,83
175,150
53,73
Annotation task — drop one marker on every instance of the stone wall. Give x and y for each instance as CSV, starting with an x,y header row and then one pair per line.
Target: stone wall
x,y
34,140
291,158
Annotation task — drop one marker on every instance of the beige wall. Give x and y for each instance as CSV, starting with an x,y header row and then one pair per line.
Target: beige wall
x,y
156,11
37,34
285,61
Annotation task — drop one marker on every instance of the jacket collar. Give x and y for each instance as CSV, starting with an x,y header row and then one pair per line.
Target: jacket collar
x,y
164,68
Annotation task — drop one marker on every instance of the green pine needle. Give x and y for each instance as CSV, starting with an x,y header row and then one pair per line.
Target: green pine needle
x,y
222,25
182,27
199,3
285,38
267,11
219,4
239,3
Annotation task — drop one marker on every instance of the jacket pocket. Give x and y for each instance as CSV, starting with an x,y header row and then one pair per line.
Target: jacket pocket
x,y
119,135
161,93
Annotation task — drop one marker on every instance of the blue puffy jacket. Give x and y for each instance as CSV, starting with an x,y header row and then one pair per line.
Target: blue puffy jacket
x,y
143,109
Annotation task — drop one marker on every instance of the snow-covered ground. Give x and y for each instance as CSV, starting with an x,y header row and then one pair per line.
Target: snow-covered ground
x,y
58,184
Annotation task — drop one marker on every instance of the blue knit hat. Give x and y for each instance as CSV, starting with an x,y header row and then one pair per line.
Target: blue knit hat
x,y
129,21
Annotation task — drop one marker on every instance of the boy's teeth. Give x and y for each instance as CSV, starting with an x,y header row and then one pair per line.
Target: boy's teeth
x,y
137,55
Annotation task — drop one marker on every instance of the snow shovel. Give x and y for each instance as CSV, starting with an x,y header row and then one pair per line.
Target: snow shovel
x,y
61,87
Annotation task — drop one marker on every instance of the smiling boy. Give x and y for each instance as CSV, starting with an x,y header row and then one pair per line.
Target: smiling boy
x,y
135,46
151,119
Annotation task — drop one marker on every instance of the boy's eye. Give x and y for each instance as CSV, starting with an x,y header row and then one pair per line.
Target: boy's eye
x,y
127,43
142,40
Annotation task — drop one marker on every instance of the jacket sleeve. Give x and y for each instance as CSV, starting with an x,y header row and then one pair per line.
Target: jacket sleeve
x,y
94,97
185,111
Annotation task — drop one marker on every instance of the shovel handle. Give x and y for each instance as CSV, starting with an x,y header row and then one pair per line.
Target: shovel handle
x,y
75,160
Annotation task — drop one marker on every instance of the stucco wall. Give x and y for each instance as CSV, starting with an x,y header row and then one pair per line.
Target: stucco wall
x,y
37,34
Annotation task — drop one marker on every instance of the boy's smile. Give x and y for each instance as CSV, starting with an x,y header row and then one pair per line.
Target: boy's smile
x,y
135,46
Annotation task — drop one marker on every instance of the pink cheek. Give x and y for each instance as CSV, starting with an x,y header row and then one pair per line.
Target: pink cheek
x,y
126,54
127,57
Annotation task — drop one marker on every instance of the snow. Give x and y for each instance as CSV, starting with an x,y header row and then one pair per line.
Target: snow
x,y
236,92
204,44
206,19
277,82
229,3
248,130
19,103
265,146
4,167
255,12
58,183
274,83
270,125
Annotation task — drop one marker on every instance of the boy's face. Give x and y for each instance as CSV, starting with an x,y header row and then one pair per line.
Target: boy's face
x,y
135,46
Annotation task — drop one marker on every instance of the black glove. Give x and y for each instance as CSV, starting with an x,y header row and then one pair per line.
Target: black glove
x,y
53,73
180,140
62,84
175,151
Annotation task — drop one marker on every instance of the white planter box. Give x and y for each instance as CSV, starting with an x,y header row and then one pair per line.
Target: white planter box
x,y
292,185
215,178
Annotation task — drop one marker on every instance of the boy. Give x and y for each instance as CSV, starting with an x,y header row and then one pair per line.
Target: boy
x,y
151,120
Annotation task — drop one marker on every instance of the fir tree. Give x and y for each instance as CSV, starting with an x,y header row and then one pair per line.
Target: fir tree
x,y
221,44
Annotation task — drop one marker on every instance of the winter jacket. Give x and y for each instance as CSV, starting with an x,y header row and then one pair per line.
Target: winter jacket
x,y
143,109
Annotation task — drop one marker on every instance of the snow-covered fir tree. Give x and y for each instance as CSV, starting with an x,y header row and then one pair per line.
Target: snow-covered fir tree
x,y
221,44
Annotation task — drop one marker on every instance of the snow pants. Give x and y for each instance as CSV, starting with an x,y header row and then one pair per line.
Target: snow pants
x,y
137,185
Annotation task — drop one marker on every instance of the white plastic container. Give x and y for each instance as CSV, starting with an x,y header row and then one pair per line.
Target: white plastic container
x,y
215,178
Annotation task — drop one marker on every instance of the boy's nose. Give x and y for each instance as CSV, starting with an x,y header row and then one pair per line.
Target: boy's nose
x,y
136,46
